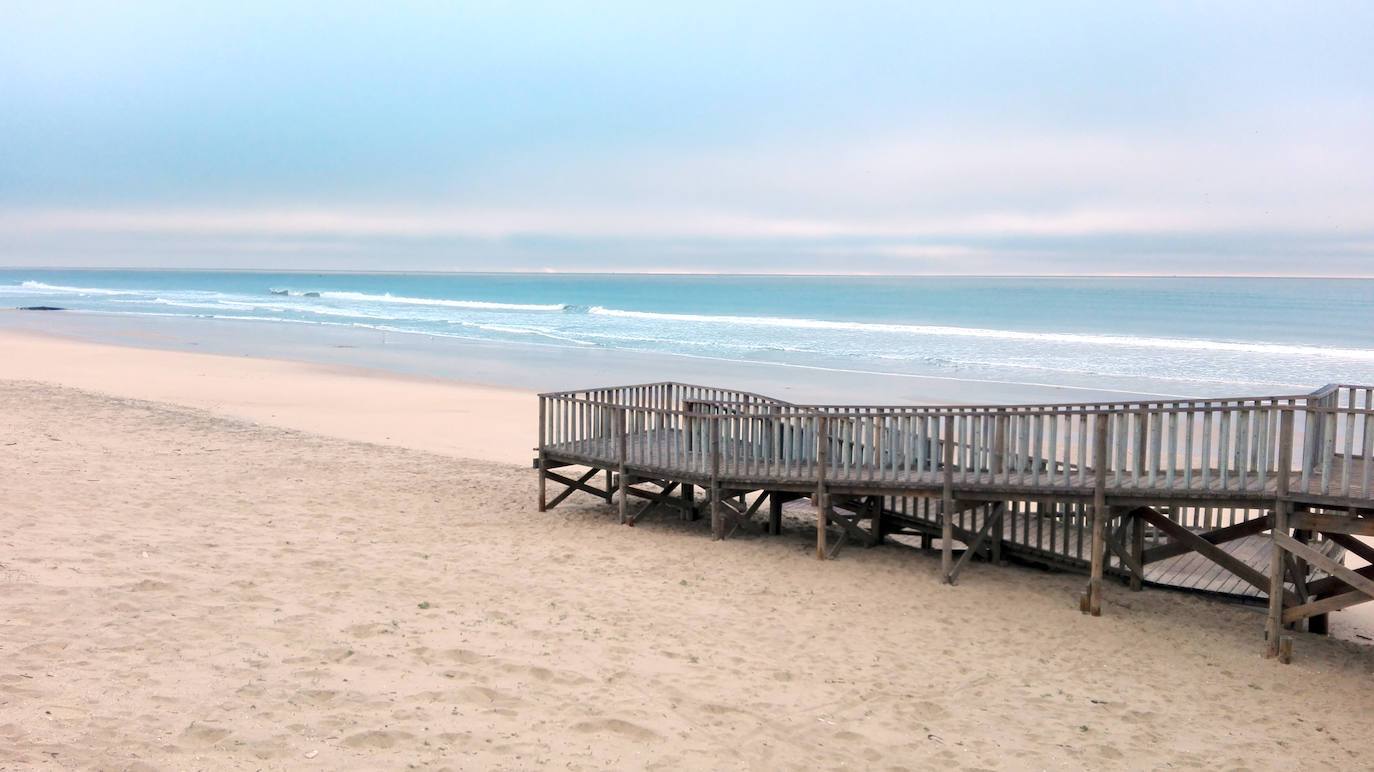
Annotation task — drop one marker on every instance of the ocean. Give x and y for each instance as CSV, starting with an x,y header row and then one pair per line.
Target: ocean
x,y
1166,336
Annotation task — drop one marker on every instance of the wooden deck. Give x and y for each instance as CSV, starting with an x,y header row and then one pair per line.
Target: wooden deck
x,y
1254,498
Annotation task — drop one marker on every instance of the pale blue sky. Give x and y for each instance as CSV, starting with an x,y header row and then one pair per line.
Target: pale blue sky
x,y
850,137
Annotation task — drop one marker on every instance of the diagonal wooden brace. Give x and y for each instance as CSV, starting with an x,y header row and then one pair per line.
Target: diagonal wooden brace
x,y
989,523
1208,550
579,484
656,500
1327,564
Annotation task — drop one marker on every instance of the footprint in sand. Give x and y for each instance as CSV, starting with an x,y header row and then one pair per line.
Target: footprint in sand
x,y
366,631
616,726
377,739
47,649
316,696
204,735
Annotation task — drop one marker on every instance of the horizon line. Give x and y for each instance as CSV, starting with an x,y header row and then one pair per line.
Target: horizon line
x,y
753,274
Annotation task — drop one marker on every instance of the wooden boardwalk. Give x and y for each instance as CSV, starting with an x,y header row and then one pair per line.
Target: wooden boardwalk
x,y
1254,498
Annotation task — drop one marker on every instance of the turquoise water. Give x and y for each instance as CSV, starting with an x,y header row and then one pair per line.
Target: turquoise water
x,y
1189,336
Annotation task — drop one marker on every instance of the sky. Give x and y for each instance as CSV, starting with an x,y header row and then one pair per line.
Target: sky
x,y
844,137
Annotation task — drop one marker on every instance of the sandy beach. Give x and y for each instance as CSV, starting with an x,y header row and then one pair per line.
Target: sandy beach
x,y
214,562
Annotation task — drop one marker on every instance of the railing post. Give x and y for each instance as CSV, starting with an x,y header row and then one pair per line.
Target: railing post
x,y
822,502
713,443
1099,541
1274,628
947,502
620,440
998,463
543,460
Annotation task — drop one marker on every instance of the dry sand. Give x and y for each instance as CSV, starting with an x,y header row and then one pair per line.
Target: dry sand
x,y
183,589
426,414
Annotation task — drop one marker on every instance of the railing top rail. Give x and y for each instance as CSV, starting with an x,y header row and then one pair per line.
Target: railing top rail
x,y
840,412
680,384
1197,404
1329,389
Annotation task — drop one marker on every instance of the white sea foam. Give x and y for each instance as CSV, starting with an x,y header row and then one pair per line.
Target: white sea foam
x,y
58,288
363,297
1117,341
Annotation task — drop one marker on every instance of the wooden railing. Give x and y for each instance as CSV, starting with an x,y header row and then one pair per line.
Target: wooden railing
x,y
1236,447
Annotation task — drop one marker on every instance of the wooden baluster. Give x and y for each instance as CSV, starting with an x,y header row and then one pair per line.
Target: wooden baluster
x,y
1099,515
822,505
1172,451
1328,449
947,502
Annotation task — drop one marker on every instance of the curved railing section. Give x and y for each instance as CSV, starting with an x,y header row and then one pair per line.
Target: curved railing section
x,y
1316,446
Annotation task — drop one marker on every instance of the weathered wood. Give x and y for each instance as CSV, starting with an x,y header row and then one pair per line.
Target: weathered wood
x,y
993,521
1099,514
849,524
1219,536
543,459
1354,545
1206,549
1325,563
1128,558
1137,560
1327,523
822,504
1282,507
655,501
775,503
875,514
1333,586
713,447
947,508
1214,464
1326,605
622,437
575,485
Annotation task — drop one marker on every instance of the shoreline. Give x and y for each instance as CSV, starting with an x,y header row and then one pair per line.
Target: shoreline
x,y
537,367
462,420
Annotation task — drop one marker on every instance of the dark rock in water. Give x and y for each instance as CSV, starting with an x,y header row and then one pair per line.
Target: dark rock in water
x,y
311,295
41,308
280,292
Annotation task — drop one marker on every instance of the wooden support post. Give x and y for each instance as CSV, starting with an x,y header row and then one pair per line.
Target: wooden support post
x,y
1315,624
822,497
1138,551
689,498
717,513
543,460
717,517
1274,629
774,513
621,439
1000,510
875,514
947,504
1319,624
1099,541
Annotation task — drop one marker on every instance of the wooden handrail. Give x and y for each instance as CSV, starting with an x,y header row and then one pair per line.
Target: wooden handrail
x,y
1202,447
